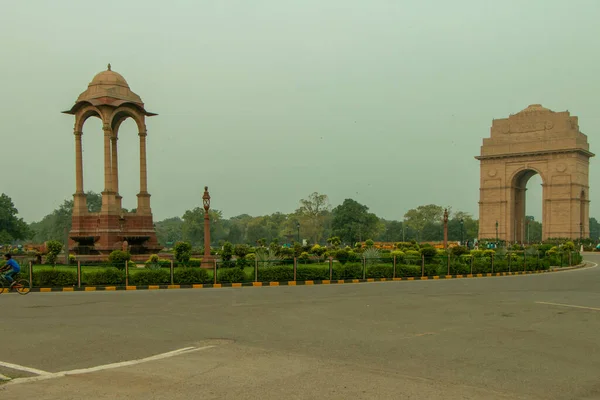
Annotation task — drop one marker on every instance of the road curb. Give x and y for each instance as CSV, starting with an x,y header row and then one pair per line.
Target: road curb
x,y
292,283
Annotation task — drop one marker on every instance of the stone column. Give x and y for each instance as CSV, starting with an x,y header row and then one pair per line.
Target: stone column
x,y
107,194
115,171
79,200
143,196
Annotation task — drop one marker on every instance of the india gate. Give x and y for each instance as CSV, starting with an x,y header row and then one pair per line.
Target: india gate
x,y
534,141
109,98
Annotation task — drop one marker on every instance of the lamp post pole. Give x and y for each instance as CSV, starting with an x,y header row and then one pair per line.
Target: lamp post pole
x,y
496,233
462,236
206,259
446,229
298,227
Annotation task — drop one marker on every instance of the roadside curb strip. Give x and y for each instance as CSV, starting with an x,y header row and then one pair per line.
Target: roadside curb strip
x,y
292,283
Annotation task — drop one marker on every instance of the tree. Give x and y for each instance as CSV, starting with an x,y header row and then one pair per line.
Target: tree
x,y
169,231
11,226
424,216
193,226
54,225
54,248
312,214
594,229
352,222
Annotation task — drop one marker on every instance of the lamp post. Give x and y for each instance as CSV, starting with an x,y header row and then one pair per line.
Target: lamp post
x,y
462,236
298,227
496,233
446,229
207,258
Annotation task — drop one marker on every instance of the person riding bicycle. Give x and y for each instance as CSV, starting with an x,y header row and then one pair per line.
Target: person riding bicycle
x,y
12,267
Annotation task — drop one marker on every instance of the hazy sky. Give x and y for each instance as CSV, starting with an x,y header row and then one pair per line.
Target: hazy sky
x,y
267,101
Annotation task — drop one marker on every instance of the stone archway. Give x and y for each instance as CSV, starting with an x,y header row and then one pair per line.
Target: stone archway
x,y
534,141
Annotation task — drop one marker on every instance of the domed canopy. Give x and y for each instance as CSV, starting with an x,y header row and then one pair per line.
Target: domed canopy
x,y
111,89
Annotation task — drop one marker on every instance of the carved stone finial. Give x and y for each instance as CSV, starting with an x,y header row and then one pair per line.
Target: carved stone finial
x,y
109,67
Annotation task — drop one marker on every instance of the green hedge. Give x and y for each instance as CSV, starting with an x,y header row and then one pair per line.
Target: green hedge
x,y
231,275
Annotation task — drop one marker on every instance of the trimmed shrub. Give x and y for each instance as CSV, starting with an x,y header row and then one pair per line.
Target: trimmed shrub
x,y
380,271
312,273
182,252
232,275
277,273
459,250
108,276
403,271
399,256
118,258
188,275
150,277
54,248
347,271
54,278
429,253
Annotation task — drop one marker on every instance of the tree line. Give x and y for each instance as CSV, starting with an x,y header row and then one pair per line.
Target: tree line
x,y
314,220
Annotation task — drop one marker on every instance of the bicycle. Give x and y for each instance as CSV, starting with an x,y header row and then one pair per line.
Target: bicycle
x,y
21,286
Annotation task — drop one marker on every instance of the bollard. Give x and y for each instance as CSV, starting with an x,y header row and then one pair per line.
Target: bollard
x,y
295,267
172,273
422,265
215,270
127,273
78,273
30,274
330,268
394,271
492,262
255,270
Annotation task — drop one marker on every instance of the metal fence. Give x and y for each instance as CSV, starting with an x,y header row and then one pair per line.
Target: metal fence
x,y
166,272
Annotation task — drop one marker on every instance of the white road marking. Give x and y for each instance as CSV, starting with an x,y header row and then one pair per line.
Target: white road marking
x,y
4,378
23,368
61,374
568,305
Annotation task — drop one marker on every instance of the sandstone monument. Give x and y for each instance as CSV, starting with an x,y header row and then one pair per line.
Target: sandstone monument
x,y
109,98
534,141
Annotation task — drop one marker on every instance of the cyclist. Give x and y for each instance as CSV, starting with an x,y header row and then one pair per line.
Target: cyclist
x,y
12,267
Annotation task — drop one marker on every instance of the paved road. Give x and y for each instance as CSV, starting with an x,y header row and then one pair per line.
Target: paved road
x,y
488,338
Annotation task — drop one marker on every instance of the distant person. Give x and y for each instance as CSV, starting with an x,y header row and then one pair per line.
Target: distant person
x,y
12,267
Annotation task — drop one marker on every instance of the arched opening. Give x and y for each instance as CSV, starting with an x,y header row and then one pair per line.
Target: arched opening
x,y
92,142
527,207
129,163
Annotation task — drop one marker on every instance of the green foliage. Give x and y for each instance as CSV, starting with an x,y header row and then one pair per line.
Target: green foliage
x,y
459,250
72,259
334,241
318,250
54,247
150,277
351,220
227,251
241,250
182,252
351,270
399,255
304,256
371,256
231,275
108,276
477,253
429,253
276,274
568,246
190,275
118,258
403,246
418,218
380,271
369,243
251,257
55,278
267,258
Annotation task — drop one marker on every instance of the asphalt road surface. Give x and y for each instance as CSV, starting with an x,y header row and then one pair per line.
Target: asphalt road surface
x,y
518,337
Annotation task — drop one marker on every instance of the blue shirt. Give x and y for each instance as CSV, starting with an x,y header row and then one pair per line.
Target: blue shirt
x,y
15,265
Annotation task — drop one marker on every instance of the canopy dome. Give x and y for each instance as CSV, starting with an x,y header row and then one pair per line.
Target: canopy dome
x,y
111,89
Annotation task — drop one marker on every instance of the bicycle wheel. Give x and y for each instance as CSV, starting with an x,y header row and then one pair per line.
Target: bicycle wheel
x,y
22,286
